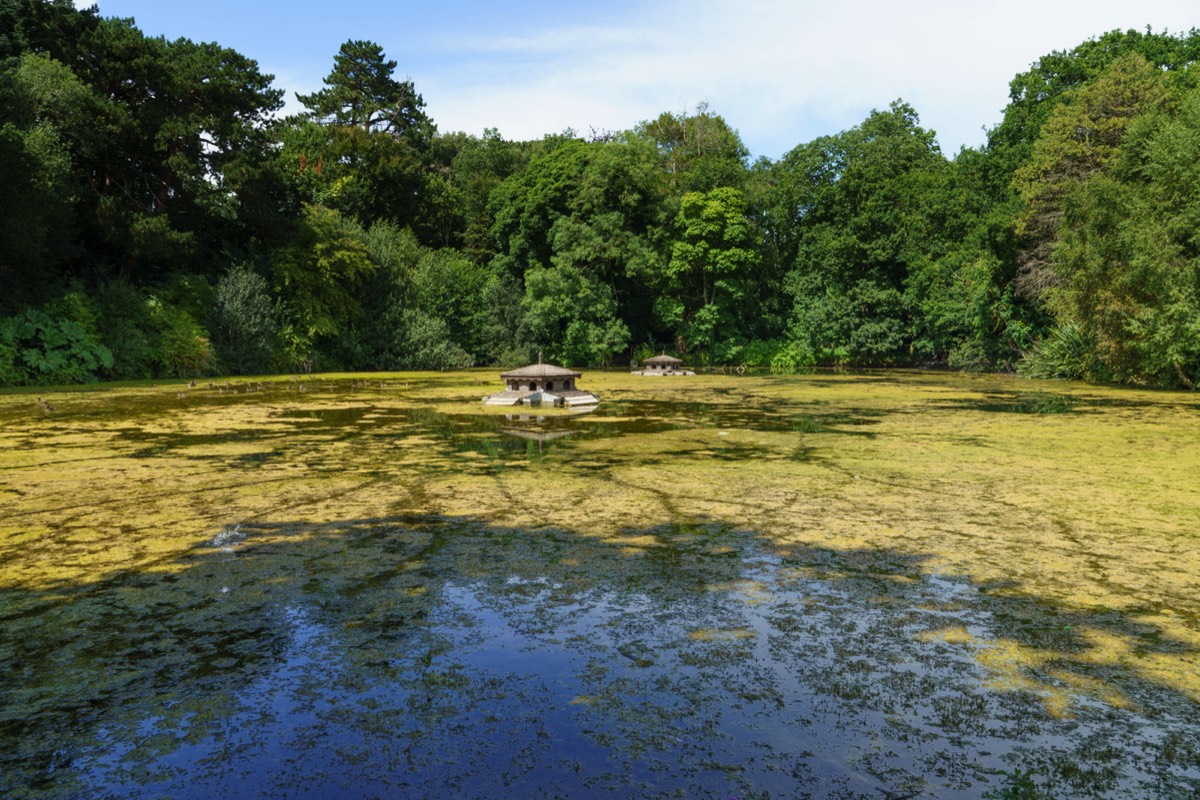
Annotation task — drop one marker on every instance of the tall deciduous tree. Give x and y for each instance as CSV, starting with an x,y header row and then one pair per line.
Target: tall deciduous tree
x,y
960,293
318,273
1079,141
45,125
463,171
1127,261
711,261
857,211
1035,93
580,229
158,137
699,151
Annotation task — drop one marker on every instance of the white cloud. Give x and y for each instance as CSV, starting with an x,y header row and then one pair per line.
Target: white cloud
x,y
780,72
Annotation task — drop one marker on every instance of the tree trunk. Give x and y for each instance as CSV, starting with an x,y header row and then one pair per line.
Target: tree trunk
x,y
1183,378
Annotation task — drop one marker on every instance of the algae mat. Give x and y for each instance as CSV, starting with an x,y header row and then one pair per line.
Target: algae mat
x,y
711,586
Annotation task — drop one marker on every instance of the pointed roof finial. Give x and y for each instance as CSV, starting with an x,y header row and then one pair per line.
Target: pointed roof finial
x,y
539,356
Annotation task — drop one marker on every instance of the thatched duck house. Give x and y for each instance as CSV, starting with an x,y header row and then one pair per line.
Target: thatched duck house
x,y
539,384
663,365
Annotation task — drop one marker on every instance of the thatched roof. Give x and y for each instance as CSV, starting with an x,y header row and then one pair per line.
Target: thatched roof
x,y
663,359
540,370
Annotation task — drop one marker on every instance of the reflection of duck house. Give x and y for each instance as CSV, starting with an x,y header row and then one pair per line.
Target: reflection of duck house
x,y
541,384
534,434
663,365
537,434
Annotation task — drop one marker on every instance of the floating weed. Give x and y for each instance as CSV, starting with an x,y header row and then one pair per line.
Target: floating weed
x,y
1018,784
754,592
956,634
720,635
1086,686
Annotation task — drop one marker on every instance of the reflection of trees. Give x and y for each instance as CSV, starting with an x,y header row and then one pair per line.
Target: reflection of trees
x,y
432,657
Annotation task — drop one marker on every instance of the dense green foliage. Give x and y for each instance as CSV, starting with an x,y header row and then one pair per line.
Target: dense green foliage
x,y
159,220
244,321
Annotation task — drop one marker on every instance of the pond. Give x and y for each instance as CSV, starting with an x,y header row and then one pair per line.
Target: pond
x,y
835,585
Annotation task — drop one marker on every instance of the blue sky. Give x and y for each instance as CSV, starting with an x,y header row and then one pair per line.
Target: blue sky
x,y
781,73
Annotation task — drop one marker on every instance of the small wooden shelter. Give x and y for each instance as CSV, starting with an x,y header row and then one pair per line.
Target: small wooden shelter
x,y
541,383
662,365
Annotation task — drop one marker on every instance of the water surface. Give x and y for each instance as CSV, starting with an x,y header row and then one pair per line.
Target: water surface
x,y
827,586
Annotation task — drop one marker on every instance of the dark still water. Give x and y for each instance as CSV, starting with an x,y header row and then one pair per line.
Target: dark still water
x,y
432,658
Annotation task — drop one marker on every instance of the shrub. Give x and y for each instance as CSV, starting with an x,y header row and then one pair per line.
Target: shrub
x,y
36,348
296,350
184,350
969,356
641,352
723,352
244,322
428,344
792,358
1065,352
10,373
760,352
516,355
125,326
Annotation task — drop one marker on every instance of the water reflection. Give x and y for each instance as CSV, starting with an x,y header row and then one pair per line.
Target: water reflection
x,y
433,658
536,429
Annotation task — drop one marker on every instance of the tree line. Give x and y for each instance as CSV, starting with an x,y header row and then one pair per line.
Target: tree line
x,y
160,219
